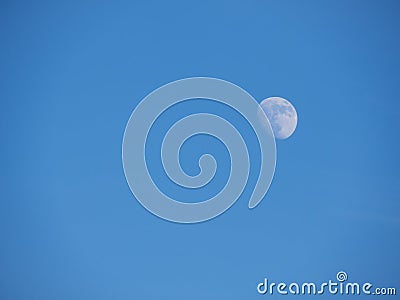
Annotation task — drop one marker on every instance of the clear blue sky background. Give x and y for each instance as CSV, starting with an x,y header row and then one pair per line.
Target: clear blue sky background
x,y
71,72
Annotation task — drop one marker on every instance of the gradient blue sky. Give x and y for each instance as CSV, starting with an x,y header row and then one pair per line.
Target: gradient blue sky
x,y
71,72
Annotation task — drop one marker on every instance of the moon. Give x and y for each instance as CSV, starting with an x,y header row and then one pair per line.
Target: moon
x,y
282,116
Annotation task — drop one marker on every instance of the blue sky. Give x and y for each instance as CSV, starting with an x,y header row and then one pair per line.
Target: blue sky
x,y
72,72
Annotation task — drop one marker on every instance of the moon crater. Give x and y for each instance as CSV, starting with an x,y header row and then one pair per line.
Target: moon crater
x,y
282,116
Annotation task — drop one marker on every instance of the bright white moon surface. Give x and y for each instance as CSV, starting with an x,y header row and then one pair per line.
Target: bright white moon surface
x,y
282,116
